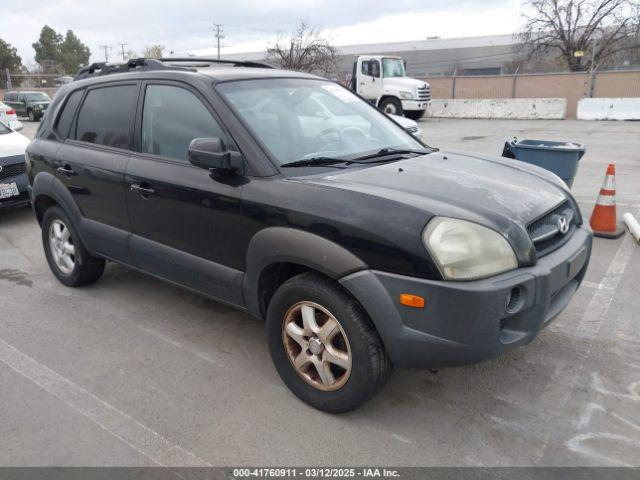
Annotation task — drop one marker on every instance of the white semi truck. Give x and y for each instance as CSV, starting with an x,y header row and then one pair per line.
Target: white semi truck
x,y
382,80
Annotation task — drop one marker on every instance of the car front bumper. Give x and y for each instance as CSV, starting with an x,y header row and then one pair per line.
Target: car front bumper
x,y
468,322
22,182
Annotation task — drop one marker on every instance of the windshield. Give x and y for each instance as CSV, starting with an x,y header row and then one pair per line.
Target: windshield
x,y
4,129
393,67
298,119
37,97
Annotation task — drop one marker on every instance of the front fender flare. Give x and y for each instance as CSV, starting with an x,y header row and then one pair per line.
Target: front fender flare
x,y
283,244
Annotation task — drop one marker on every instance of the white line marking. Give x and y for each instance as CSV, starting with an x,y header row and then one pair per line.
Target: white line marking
x,y
596,312
160,336
138,436
576,445
177,344
597,286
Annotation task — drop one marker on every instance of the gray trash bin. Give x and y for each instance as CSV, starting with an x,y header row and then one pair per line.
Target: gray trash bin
x,y
560,158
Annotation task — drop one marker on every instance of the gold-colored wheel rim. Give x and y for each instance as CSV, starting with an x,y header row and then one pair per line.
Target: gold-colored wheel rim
x,y
316,346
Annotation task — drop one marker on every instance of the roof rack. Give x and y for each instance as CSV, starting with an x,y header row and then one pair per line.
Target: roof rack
x,y
145,64
205,62
138,64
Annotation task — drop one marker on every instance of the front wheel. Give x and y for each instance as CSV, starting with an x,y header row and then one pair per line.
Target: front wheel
x,y
324,346
391,105
32,116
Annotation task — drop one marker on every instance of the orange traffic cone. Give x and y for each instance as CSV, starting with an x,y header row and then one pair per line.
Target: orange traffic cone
x,y
603,219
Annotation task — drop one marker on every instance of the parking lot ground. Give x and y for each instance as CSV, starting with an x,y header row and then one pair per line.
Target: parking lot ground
x,y
134,371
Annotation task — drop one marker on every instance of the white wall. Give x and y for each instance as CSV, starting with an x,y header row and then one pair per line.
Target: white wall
x,y
508,108
609,109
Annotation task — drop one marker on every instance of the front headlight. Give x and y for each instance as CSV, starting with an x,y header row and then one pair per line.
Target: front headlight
x,y
465,250
406,94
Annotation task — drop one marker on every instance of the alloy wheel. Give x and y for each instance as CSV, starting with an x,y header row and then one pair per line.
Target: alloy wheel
x,y
317,346
61,245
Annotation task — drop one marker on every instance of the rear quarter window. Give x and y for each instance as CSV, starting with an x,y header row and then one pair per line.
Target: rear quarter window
x,y
65,119
106,116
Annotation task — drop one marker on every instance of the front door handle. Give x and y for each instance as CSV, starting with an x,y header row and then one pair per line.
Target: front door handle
x,y
66,170
144,190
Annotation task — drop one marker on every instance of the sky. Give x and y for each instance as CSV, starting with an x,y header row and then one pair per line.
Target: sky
x,y
186,26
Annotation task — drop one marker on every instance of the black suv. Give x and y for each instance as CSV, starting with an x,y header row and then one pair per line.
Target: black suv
x,y
360,246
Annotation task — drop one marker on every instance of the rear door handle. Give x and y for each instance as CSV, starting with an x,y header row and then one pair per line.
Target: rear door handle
x,y
145,192
66,170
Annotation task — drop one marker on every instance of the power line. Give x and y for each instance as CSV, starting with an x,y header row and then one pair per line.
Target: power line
x,y
218,35
106,53
122,45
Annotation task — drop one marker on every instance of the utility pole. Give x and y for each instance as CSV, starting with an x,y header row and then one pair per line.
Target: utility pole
x,y
106,53
219,35
122,45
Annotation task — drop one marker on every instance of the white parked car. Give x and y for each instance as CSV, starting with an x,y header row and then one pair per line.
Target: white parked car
x,y
8,114
13,169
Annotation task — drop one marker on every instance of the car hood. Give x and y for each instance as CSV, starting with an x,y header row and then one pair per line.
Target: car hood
x,y
12,144
503,194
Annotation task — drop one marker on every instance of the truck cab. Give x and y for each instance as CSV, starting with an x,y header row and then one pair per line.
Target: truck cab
x,y
382,80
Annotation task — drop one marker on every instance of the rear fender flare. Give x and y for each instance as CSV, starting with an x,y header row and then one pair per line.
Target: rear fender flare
x,y
45,184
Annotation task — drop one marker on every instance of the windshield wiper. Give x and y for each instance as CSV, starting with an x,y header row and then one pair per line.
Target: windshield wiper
x,y
385,152
314,162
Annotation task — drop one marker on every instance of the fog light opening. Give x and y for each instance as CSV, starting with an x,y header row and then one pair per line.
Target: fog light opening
x,y
515,300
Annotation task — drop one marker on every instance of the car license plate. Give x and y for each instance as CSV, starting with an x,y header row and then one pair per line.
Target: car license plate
x,y
576,263
8,190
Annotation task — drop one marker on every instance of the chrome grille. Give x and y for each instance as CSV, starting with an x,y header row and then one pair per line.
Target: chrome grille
x,y
13,170
545,232
424,93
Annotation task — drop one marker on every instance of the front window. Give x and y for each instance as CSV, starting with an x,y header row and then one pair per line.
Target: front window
x,y
37,97
393,67
299,119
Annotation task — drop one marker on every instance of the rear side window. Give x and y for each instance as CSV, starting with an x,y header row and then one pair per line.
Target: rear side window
x,y
171,118
106,116
68,111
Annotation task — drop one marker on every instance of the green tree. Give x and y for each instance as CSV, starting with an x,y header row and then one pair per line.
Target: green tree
x,y
48,50
9,58
73,53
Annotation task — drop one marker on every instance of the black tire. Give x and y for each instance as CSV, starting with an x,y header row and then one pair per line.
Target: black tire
x,y
370,364
414,114
86,269
32,116
391,105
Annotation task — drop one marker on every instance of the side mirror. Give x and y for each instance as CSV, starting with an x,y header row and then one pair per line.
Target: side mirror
x,y
15,125
212,154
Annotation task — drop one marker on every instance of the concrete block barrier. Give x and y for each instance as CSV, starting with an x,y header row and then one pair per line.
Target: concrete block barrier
x,y
507,108
609,109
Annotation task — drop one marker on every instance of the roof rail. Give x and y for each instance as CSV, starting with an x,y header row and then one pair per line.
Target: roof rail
x,y
198,61
136,64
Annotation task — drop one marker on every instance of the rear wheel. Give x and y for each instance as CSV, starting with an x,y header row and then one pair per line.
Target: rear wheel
x,y
324,346
391,105
68,259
